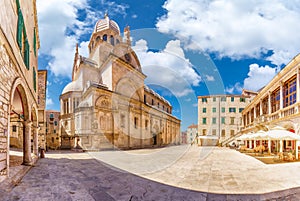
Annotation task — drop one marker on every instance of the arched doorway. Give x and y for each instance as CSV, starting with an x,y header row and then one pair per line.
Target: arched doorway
x,y
20,128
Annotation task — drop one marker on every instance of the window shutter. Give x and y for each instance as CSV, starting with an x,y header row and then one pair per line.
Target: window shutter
x,y
34,79
26,54
34,41
20,28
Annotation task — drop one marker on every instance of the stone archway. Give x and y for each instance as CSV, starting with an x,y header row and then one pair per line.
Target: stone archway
x,y
20,122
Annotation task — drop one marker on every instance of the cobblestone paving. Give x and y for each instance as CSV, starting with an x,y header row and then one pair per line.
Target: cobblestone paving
x,y
78,176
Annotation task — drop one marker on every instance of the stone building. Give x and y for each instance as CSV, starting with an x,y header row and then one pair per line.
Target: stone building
x,y
19,44
192,133
107,105
42,84
219,117
277,104
52,129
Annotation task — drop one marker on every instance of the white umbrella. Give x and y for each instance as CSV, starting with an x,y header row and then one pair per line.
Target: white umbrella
x,y
282,135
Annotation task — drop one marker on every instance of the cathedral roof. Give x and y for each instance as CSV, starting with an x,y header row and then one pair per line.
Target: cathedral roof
x,y
106,23
73,86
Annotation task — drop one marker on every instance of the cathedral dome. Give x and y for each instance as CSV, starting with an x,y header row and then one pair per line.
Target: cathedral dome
x,y
105,24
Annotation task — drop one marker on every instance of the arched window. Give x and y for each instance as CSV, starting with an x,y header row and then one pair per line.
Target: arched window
x,y
105,37
112,40
98,38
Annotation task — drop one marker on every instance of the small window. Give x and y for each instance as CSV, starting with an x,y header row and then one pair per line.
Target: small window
x,y
214,110
98,38
214,120
204,110
135,122
223,109
55,123
223,120
54,131
214,132
122,120
146,124
231,133
204,131
223,133
232,99
204,100
51,116
214,99
203,120
145,99
152,102
240,110
223,99
52,139
231,120
112,40
232,109
14,128
105,37
242,99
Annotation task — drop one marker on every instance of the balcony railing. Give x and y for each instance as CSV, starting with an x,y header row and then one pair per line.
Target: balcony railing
x,y
284,112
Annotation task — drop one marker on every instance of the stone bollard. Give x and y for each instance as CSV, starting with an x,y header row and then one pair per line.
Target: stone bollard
x,y
42,154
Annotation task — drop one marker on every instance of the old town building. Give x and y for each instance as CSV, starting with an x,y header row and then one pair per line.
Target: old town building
x,y
219,117
278,103
107,105
42,84
19,44
52,129
192,133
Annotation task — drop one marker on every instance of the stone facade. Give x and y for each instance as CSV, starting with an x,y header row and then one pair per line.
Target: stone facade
x,y
277,104
42,85
107,105
19,43
219,117
52,129
191,134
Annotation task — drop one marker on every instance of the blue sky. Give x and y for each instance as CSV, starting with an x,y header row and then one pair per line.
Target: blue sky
x,y
186,48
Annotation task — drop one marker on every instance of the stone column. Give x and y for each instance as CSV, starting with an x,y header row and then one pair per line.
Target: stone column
x,y
298,87
269,146
297,144
35,141
260,108
250,144
281,146
269,103
254,143
281,95
27,143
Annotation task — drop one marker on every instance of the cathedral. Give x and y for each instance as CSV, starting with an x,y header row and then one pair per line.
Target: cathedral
x,y
107,105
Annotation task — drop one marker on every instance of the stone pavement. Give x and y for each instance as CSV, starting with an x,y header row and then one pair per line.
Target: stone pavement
x,y
199,173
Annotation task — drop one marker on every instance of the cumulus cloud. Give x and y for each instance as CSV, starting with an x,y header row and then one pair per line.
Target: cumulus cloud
x,y
259,76
176,71
209,78
237,28
237,88
60,28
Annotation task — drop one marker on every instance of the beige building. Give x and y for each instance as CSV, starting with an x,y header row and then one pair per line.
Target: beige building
x,y
107,105
52,129
219,117
191,134
277,104
19,44
42,84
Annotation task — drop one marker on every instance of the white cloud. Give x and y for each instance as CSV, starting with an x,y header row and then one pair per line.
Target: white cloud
x,y
49,102
176,72
210,78
237,88
60,29
56,19
236,28
259,76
